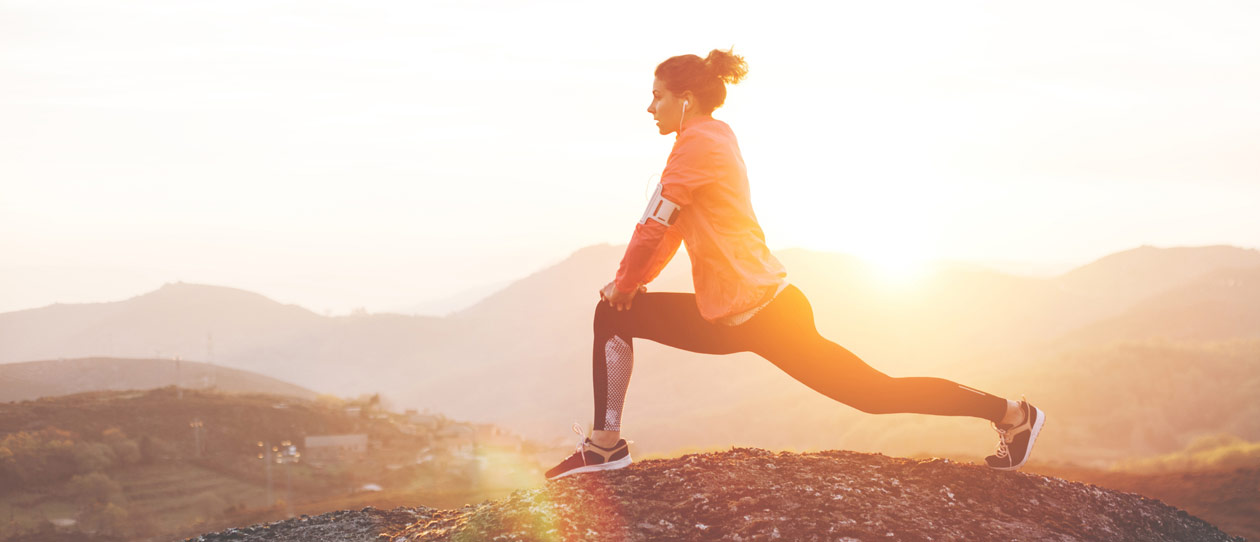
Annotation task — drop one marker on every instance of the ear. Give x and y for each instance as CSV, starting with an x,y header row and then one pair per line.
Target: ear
x,y
689,98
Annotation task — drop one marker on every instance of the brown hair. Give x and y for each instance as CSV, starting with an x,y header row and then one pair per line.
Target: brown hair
x,y
706,78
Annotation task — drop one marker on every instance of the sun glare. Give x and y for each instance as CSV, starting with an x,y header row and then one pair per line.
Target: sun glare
x,y
896,267
898,253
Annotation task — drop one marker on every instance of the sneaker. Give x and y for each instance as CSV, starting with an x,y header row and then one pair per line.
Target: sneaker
x,y
1016,441
590,457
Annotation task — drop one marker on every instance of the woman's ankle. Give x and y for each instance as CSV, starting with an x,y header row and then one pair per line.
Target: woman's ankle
x,y
1014,414
605,439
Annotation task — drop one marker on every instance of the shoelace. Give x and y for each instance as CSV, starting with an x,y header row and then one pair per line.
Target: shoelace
x,y
1002,451
581,446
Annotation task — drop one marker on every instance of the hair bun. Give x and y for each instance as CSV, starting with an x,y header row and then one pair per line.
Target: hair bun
x,y
726,65
705,78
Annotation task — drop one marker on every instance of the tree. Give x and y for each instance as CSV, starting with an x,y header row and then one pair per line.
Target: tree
x,y
106,519
96,489
9,477
126,451
93,457
154,449
34,457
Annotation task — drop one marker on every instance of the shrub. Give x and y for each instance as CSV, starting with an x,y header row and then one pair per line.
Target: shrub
x,y
34,457
93,457
95,489
126,451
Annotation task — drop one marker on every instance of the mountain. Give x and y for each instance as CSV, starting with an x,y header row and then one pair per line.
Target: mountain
x,y
580,276
1214,306
233,327
1135,399
451,303
520,358
35,379
1126,277
752,494
189,320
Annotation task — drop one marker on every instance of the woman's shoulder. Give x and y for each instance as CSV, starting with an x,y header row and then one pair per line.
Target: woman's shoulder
x,y
714,128
711,133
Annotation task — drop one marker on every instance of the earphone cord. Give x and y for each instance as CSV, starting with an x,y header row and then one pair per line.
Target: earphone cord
x,y
680,118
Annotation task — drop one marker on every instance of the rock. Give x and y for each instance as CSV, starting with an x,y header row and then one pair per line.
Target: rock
x,y
749,494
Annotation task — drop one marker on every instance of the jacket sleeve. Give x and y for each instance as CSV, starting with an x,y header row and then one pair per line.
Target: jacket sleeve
x,y
689,167
651,248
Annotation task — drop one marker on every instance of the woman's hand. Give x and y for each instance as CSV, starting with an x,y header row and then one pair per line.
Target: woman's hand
x,y
618,299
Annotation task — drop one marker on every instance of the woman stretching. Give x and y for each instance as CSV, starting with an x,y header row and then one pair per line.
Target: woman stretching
x,y
743,301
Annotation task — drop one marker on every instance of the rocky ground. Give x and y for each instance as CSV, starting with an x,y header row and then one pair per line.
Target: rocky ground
x,y
748,494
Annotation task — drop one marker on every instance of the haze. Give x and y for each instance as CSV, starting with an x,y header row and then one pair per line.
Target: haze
x,y
348,155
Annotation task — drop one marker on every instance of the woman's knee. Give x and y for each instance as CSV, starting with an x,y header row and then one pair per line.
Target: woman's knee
x,y
607,320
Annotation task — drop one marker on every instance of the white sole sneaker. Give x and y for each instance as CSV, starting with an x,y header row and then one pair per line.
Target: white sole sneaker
x,y
611,465
1032,437
1038,422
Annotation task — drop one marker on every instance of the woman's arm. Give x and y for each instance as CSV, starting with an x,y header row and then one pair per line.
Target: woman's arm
x,y
656,239
650,250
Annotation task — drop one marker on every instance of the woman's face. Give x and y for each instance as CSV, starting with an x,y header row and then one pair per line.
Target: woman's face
x,y
666,108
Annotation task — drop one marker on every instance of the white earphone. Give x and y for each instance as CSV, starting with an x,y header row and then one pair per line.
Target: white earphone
x,y
680,117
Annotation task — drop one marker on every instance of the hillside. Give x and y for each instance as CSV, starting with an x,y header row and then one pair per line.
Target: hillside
x,y
232,423
752,494
1126,276
154,464
139,326
233,327
1120,400
1219,305
35,379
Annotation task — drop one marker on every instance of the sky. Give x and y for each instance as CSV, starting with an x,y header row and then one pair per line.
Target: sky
x,y
382,155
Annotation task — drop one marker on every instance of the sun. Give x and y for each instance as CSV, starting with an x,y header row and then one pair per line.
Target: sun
x,y
897,267
894,260
896,227
900,256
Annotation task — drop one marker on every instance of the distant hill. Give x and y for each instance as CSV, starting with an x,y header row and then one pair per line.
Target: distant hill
x,y
187,320
451,302
35,379
1129,276
233,327
1129,399
520,358
1215,306
576,277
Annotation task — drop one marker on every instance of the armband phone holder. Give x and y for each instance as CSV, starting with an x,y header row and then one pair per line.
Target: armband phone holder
x,y
660,209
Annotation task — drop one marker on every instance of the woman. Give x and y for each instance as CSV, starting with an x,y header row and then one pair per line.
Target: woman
x,y
743,301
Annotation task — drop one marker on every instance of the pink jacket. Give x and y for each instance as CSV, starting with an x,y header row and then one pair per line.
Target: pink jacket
x,y
731,267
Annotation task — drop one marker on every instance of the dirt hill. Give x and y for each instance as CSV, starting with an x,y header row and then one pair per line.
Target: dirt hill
x,y
50,378
750,494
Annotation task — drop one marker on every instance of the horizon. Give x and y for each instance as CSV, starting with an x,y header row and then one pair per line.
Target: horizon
x,y
444,306
397,155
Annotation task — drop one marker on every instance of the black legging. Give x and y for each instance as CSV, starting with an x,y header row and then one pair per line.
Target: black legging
x,y
783,333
